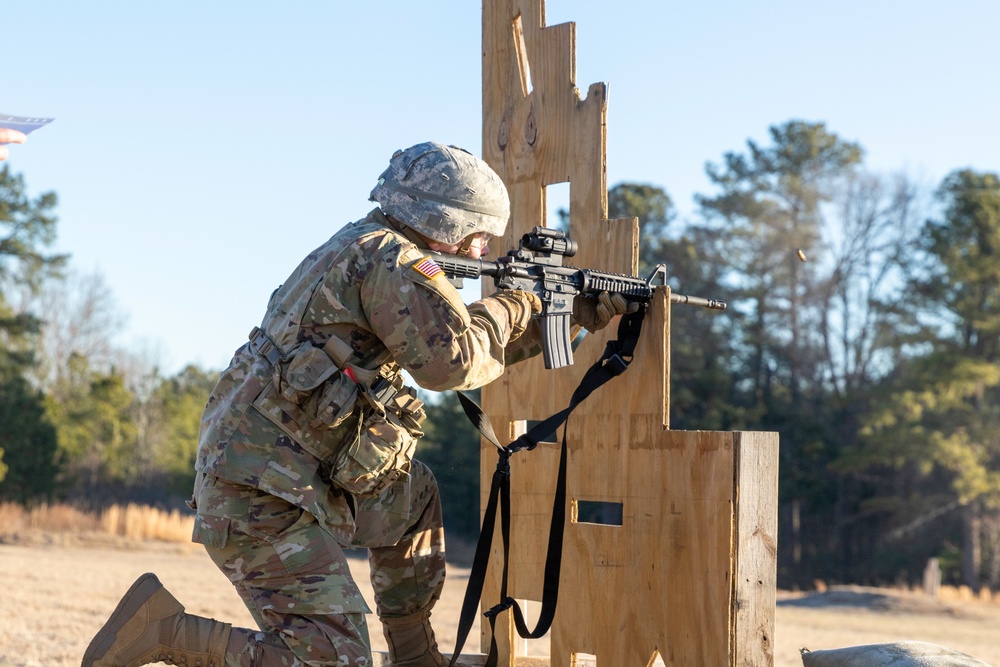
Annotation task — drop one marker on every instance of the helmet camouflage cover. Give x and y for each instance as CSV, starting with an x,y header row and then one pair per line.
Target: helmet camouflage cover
x,y
443,192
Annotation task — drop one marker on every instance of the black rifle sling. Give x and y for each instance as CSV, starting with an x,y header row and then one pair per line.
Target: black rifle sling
x,y
617,356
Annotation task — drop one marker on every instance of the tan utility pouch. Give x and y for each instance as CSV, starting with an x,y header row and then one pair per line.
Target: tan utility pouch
x,y
377,457
383,449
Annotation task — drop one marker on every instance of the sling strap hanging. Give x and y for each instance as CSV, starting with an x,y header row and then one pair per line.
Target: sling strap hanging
x,y
617,356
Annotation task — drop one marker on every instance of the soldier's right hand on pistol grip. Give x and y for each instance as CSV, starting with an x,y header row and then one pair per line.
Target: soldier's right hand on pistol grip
x,y
520,305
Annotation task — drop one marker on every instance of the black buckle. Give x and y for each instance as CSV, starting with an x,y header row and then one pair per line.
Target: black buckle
x,y
616,364
496,610
503,462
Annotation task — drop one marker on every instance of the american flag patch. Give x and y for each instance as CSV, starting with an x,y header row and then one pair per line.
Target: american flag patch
x,y
428,267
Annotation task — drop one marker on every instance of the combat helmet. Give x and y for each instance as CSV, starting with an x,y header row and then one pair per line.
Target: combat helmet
x,y
444,192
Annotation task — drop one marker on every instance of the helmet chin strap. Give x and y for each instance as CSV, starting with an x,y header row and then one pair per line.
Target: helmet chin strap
x,y
463,250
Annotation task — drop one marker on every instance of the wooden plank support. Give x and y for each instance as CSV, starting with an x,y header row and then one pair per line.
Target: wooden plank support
x,y
671,550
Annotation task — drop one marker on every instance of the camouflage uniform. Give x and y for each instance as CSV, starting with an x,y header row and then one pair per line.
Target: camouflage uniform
x,y
299,459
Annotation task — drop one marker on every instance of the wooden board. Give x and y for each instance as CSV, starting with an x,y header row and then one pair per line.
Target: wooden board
x,y
688,571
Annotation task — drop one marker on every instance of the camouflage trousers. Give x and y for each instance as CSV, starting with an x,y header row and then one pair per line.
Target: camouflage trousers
x,y
294,577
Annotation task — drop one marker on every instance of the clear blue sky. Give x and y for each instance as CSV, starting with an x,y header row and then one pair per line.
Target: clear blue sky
x,y
202,148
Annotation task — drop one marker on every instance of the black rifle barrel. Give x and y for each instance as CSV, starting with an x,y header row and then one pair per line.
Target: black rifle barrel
x,y
713,304
593,281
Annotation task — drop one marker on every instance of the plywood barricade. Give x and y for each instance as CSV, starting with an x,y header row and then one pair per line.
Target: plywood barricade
x,y
685,566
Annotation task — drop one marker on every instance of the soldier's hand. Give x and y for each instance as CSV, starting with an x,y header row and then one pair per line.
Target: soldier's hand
x,y
593,314
530,299
521,305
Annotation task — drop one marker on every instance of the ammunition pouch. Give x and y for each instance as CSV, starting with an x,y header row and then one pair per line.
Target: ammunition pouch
x,y
372,461
361,424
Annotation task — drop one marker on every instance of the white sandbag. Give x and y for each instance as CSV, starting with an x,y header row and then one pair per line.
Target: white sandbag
x,y
895,654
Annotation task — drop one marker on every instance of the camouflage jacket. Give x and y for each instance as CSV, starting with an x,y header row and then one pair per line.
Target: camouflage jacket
x,y
376,295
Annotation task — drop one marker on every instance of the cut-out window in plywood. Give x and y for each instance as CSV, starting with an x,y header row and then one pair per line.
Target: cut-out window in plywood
x,y
597,512
557,207
547,439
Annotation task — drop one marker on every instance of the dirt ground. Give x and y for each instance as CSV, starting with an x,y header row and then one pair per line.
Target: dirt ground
x,y
55,595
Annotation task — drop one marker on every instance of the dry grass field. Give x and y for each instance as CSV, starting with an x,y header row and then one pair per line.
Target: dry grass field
x,y
57,588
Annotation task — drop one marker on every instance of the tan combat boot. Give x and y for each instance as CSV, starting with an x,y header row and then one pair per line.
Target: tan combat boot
x,y
411,641
149,625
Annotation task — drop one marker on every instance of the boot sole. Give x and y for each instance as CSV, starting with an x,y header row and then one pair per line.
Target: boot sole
x,y
134,598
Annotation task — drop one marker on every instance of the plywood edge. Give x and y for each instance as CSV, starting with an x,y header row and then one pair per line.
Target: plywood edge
x,y
755,552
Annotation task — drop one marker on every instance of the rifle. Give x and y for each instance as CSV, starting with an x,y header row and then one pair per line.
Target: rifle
x,y
537,266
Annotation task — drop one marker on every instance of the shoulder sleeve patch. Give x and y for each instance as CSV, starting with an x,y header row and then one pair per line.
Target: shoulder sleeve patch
x,y
428,268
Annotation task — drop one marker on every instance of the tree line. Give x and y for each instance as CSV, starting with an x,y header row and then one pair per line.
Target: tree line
x,y
80,419
864,328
